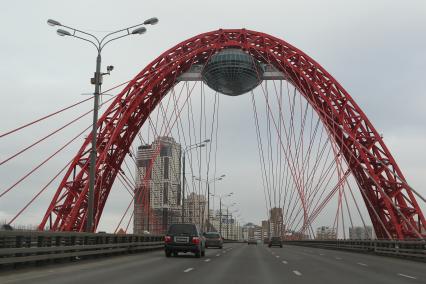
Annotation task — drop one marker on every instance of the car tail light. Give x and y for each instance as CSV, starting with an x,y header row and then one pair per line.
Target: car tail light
x,y
167,239
196,240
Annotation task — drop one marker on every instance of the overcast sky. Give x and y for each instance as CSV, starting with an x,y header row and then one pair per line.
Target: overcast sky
x,y
375,49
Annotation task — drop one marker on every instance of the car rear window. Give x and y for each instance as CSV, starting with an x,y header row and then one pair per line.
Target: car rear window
x,y
178,229
212,235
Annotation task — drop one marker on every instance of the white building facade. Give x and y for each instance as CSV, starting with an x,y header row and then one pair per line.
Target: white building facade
x,y
157,195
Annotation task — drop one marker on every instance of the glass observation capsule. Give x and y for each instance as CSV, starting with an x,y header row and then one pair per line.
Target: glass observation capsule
x,y
232,72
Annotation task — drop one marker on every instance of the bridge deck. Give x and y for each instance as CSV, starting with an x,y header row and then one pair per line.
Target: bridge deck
x,y
236,263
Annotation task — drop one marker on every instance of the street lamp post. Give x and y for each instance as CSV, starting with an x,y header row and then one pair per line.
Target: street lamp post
x,y
232,218
220,216
97,81
220,209
227,222
208,182
188,148
227,219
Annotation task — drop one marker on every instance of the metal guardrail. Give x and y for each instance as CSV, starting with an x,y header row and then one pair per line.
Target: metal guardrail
x,y
415,249
30,246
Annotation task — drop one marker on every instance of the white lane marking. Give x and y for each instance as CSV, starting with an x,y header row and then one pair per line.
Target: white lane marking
x,y
297,273
218,254
407,276
207,260
277,256
338,258
285,262
362,264
188,269
322,254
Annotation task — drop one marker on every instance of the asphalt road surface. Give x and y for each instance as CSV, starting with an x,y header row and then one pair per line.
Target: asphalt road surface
x,y
235,263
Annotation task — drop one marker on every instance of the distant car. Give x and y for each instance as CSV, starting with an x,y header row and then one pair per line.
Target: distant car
x,y
275,241
184,238
213,239
252,242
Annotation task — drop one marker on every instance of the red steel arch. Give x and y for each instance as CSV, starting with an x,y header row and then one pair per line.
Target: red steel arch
x,y
391,204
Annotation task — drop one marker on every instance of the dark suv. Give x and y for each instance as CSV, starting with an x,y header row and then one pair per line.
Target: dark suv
x,y
275,241
184,238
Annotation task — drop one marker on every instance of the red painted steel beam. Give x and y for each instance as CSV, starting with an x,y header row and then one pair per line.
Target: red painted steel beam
x,y
358,140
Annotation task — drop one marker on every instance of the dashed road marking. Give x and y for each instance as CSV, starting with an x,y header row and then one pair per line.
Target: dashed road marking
x,y
407,276
362,264
297,273
322,254
218,254
277,256
188,269
338,258
285,262
207,260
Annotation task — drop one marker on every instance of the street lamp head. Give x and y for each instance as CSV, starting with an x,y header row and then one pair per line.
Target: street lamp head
x,y
222,176
202,145
53,23
151,21
139,31
206,141
62,32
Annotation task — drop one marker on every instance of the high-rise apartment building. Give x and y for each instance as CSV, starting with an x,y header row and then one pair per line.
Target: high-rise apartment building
x,y
157,196
276,222
265,230
196,209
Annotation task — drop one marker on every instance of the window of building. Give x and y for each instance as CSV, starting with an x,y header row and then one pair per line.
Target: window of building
x,y
165,150
147,165
178,195
165,193
144,163
166,167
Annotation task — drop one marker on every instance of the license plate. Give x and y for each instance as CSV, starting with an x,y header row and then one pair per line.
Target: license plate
x,y
181,239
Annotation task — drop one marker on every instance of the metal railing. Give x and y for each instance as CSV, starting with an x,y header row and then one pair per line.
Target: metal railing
x,y
415,249
33,246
